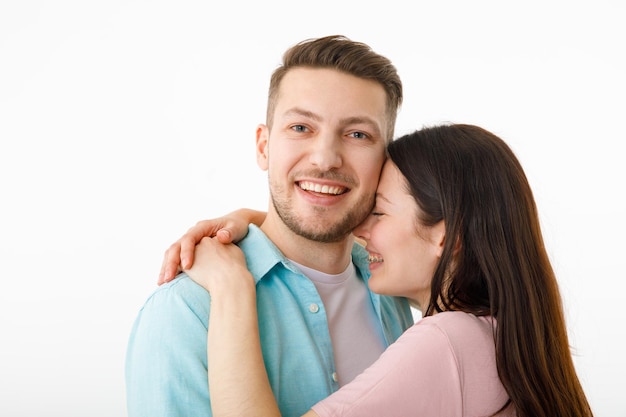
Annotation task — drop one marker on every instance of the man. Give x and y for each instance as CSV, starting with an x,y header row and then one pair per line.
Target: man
x,y
331,111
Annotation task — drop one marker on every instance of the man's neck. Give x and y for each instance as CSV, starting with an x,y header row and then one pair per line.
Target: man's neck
x,y
330,258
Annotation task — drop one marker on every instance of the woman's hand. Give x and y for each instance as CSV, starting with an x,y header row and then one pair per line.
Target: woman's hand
x,y
220,267
227,229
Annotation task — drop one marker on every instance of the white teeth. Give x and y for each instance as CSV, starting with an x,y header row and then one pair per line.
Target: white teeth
x,y
318,188
374,259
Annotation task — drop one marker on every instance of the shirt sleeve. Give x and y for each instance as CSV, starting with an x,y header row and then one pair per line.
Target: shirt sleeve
x,y
166,361
417,375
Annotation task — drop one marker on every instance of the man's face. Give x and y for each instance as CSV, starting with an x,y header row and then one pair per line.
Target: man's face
x,y
324,152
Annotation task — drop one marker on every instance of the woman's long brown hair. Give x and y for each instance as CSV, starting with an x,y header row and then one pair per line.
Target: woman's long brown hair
x,y
494,261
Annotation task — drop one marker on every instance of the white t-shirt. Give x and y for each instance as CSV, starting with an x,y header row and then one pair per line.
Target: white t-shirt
x,y
355,330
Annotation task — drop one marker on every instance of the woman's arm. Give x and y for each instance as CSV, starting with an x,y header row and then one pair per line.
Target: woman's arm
x,y
237,377
231,227
238,381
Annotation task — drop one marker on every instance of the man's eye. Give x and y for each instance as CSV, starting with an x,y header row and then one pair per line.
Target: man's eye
x,y
299,128
358,135
377,213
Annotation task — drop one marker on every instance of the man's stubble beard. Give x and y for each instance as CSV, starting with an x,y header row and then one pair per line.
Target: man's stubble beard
x,y
319,231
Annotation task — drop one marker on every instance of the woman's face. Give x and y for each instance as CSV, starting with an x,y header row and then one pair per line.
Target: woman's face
x,y
403,252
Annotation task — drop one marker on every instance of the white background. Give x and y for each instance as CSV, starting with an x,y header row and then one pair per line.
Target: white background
x,y
122,123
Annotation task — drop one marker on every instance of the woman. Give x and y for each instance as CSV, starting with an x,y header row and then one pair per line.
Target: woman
x,y
455,229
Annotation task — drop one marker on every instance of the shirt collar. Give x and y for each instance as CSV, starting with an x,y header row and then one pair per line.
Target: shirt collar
x,y
262,255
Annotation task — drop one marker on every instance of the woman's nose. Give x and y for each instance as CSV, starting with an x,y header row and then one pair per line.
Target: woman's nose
x,y
362,231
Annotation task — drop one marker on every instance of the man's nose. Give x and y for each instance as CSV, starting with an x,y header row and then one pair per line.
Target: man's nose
x,y
326,152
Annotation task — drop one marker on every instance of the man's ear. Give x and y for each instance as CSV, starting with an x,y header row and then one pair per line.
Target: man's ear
x,y
262,146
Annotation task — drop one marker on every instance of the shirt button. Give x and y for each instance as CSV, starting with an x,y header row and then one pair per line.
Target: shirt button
x,y
314,308
335,378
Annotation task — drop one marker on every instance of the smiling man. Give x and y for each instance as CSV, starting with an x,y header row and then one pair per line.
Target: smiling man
x,y
331,111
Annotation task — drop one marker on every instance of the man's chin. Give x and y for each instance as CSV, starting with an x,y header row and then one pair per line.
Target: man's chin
x,y
319,224
325,232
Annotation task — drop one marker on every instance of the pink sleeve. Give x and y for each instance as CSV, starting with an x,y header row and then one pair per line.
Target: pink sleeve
x,y
417,375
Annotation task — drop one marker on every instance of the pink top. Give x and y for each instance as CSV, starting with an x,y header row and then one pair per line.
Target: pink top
x,y
444,365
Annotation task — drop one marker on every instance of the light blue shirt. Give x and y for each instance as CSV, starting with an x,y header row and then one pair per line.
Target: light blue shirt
x,y
166,362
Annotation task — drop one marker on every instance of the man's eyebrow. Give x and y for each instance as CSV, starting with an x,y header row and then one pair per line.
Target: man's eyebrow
x,y
363,120
301,112
358,119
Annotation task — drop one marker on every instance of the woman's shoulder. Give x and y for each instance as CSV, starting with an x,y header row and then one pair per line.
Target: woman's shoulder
x,y
458,318
461,327
470,340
